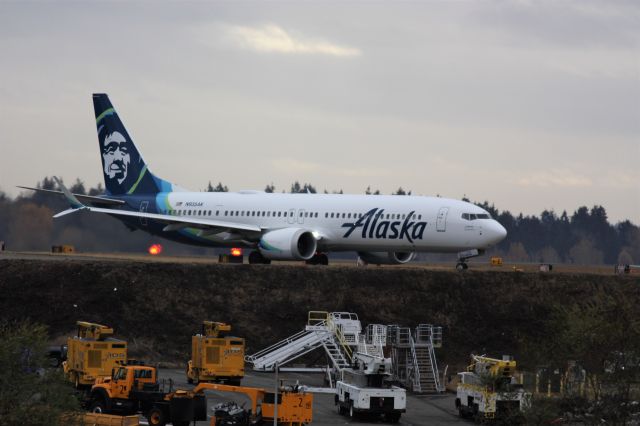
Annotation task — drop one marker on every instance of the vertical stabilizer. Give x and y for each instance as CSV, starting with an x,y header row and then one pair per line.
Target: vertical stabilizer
x,y
125,172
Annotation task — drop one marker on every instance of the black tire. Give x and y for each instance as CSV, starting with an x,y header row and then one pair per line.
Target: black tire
x,y
99,407
255,257
393,417
156,417
324,259
460,267
234,382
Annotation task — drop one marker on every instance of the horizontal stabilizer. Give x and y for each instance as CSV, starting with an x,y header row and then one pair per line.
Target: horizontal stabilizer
x,y
66,212
82,198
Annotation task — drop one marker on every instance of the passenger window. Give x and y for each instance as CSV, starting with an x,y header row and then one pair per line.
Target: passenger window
x,y
343,215
285,214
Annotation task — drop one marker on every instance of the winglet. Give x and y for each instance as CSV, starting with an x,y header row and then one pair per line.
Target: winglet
x,y
73,201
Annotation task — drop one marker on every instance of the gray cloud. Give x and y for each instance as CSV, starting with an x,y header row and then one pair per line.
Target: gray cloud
x,y
529,104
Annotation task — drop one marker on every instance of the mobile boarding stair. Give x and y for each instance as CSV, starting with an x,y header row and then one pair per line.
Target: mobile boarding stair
x,y
413,357
336,332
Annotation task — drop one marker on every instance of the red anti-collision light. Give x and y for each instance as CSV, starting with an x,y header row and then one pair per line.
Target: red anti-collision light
x,y
236,252
155,249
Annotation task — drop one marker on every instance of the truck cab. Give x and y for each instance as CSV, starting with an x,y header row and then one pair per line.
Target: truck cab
x,y
124,379
124,389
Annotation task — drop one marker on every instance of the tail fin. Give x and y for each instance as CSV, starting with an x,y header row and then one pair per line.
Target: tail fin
x,y
125,172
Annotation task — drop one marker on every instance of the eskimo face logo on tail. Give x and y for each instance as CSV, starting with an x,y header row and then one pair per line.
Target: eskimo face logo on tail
x,y
115,156
121,164
374,225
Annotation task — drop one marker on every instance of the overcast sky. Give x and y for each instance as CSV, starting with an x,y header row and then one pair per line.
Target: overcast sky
x,y
530,105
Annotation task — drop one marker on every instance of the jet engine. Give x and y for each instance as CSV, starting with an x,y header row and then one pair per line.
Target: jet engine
x,y
386,258
288,244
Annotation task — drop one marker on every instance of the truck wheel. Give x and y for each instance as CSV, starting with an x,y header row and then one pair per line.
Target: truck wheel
x,y
98,407
393,417
155,417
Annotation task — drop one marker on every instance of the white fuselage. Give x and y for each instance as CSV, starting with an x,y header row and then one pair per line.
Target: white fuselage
x,y
347,222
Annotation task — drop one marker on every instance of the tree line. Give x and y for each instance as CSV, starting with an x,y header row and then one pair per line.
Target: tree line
x,y
584,236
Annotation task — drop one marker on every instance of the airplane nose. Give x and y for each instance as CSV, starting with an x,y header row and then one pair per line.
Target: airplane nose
x,y
497,232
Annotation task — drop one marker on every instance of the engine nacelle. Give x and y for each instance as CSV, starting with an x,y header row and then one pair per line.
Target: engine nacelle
x,y
288,244
386,258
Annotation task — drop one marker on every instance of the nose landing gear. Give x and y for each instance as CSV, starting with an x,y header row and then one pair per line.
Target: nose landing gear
x,y
463,256
461,266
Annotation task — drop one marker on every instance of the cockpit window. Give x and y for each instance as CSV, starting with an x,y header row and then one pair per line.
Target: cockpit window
x,y
474,216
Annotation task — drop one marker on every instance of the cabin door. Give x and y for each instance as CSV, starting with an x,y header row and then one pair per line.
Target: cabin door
x,y
144,205
441,221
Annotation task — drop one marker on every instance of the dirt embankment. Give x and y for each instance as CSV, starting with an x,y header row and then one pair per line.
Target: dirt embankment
x,y
157,306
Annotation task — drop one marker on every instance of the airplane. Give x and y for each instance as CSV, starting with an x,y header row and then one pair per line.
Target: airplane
x,y
382,229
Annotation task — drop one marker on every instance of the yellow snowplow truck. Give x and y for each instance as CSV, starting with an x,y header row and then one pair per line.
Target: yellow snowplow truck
x,y
488,390
92,353
216,357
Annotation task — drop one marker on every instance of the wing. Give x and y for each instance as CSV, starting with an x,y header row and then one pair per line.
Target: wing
x,y
175,223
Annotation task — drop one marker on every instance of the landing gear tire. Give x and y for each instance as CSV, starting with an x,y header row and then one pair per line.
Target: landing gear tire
x,y
318,259
255,257
461,267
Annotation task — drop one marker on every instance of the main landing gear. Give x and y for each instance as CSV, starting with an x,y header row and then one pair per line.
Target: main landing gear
x,y
463,256
255,257
318,259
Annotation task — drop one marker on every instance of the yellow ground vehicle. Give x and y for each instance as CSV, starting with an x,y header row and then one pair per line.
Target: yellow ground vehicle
x,y
92,353
488,390
295,407
216,357
133,389
496,261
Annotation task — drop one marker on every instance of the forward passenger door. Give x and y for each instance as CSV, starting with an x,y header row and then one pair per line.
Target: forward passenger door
x,y
441,221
